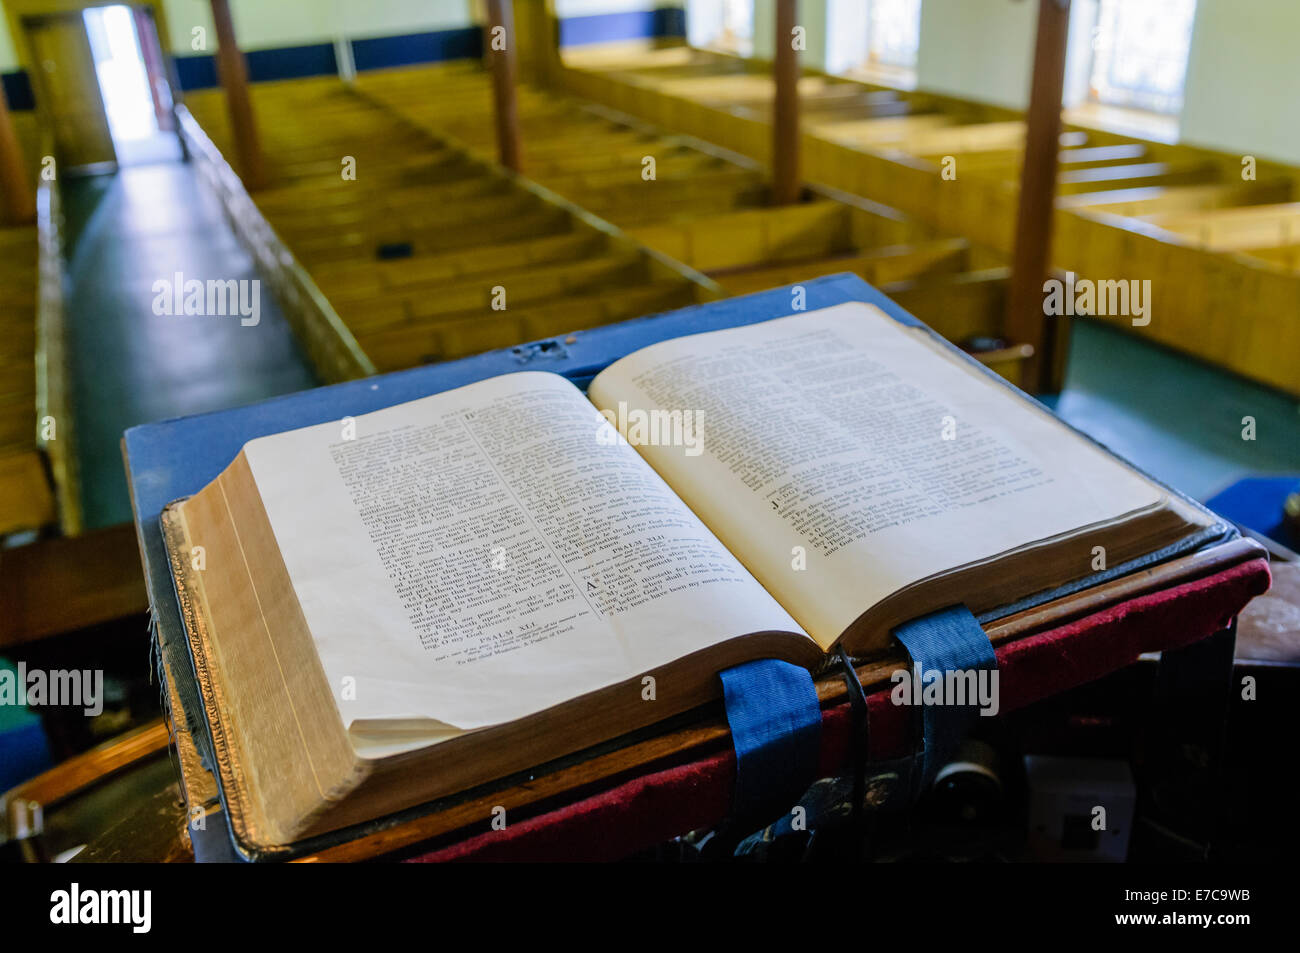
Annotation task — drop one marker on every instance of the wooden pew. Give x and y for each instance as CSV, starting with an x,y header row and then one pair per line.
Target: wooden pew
x,y
1152,200
1134,175
1107,191
409,252
482,329
733,235
26,495
1235,229
880,266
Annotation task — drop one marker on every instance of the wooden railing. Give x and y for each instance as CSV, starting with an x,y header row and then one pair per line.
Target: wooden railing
x,y
54,431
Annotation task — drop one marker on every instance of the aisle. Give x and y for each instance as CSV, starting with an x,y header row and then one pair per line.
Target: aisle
x,y
1177,418
129,365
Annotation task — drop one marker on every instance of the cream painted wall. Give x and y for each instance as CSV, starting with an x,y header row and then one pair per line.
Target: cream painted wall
x,y
8,55
262,25
765,27
811,16
1242,81
1243,78
978,49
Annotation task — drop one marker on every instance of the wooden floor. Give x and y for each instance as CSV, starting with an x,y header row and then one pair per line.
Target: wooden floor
x,y
1214,238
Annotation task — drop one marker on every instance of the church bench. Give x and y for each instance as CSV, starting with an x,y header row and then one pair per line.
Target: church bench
x,y
379,196
1093,233
1150,200
1284,256
738,239
374,277
961,305
390,224
365,242
521,286
879,266
1134,175
27,500
483,329
697,170
873,132
446,224
630,207
752,235
1006,163
1234,229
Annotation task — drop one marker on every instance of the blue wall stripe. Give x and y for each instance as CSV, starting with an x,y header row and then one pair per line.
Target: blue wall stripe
x,y
381,51
632,25
291,62
200,72
196,72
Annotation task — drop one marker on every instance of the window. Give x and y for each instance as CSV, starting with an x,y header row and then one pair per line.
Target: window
x,y
726,25
893,33
874,38
738,25
1140,53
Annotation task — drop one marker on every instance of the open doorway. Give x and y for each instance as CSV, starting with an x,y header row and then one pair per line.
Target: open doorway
x,y
132,82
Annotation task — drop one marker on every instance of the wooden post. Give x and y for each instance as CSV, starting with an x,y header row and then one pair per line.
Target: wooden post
x,y
15,190
538,28
501,42
1026,322
785,111
233,72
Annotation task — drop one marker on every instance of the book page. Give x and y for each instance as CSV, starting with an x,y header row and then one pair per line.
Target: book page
x,y
479,555
845,456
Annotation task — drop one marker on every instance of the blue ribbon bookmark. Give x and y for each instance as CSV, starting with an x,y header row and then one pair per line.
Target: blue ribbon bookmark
x,y
776,723
950,640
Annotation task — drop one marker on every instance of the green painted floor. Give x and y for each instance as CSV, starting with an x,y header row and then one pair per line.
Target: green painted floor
x,y
130,366
1174,417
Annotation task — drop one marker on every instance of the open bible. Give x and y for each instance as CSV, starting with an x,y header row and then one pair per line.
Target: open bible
x,y
388,609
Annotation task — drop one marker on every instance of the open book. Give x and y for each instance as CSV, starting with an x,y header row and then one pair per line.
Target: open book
x,y
391,608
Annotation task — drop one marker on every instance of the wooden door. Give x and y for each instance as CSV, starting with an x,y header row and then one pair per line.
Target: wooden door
x,y
67,89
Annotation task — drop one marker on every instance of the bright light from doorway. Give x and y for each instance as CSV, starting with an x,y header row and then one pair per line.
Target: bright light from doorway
x,y
123,79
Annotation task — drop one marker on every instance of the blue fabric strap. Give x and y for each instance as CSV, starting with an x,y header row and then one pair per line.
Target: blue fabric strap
x,y
776,723
950,640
